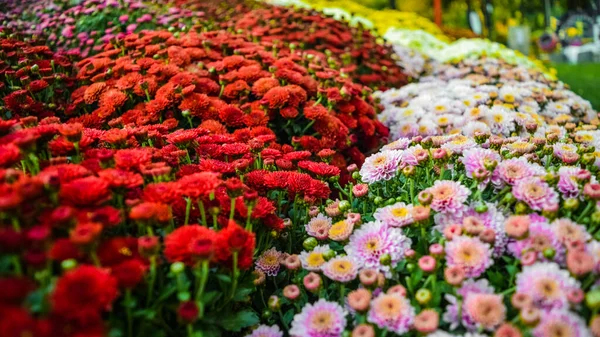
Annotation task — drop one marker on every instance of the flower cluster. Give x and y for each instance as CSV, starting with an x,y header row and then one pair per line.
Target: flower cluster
x,y
486,96
100,213
352,50
222,81
84,26
479,234
34,80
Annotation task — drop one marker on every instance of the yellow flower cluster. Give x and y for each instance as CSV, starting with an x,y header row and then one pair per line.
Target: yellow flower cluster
x,y
383,19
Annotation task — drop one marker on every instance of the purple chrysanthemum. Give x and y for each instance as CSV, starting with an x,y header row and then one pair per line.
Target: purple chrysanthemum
x,y
320,319
536,193
448,196
469,253
474,159
547,284
392,312
453,313
492,219
269,262
561,323
381,166
375,239
568,181
512,171
266,331
540,238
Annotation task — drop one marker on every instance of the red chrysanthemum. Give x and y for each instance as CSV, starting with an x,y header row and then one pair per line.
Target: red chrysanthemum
x,y
191,243
83,293
235,239
129,273
88,191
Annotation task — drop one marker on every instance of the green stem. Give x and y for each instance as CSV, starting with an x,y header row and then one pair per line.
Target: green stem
x,y
128,304
17,265
236,274
95,258
202,212
586,210
190,330
152,280
203,279
188,208
248,218
232,210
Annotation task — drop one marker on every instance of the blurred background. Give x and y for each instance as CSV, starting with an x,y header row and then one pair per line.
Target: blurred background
x,y
565,34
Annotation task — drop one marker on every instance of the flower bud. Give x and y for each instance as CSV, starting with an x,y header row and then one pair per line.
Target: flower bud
x,y
177,267
385,259
274,303
310,243
328,255
423,296
68,264
344,205
592,299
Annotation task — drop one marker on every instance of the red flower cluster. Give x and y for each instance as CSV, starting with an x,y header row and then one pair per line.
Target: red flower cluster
x,y
352,50
105,201
34,81
220,81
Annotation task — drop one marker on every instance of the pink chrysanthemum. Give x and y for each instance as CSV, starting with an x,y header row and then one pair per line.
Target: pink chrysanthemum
x,y
514,170
448,196
568,181
374,239
269,262
486,310
492,219
396,215
547,284
459,143
567,231
453,313
266,331
341,268
314,259
319,226
321,319
399,144
540,238
380,166
536,193
470,254
474,159
561,323
392,312
410,156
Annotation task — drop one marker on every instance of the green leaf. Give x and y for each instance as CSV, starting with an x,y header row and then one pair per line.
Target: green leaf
x,y
242,294
224,278
238,321
210,296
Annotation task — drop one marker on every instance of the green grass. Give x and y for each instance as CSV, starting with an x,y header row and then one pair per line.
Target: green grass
x,y
584,80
